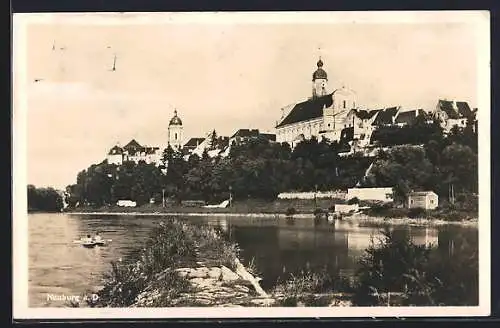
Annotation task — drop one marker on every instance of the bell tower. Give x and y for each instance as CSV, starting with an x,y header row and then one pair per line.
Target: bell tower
x,y
319,81
175,137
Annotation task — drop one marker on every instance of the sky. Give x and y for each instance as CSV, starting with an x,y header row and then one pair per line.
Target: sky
x,y
218,76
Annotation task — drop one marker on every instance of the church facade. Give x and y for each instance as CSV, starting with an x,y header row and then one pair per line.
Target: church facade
x,y
324,115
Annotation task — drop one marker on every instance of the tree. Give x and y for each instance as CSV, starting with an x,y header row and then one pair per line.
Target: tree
x,y
391,266
44,199
404,168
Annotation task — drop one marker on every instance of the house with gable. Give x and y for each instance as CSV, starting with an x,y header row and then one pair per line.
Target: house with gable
x,y
450,114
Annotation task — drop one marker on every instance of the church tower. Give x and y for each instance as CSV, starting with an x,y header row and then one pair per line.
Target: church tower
x,y
319,80
175,137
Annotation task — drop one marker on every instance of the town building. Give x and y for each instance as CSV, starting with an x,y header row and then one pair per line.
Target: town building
x,y
423,199
408,118
134,152
324,115
450,114
213,144
243,135
387,116
192,144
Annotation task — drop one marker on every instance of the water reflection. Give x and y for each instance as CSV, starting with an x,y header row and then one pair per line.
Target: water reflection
x,y
278,247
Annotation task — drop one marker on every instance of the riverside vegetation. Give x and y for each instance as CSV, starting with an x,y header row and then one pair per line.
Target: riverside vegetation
x,y
419,157
44,200
185,265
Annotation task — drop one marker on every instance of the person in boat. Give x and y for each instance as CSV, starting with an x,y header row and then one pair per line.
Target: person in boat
x,y
88,239
97,237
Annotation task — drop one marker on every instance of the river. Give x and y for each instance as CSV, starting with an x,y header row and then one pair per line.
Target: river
x,y
277,247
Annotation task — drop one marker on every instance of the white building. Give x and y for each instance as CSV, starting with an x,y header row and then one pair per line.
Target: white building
x,y
134,152
423,199
371,194
324,115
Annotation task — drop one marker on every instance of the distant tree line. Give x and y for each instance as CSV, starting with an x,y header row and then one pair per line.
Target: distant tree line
x,y
44,200
261,169
254,169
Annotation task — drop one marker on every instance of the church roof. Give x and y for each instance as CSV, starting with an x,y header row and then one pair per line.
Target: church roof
x,y
307,110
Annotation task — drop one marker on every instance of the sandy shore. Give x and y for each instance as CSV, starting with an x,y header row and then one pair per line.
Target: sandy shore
x,y
357,218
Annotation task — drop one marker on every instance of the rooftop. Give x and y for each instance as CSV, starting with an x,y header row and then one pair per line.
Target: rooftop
x,y
447,107
307,110
245,133
386,116
409,117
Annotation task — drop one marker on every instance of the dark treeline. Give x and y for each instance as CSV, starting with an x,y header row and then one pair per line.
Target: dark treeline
x,y
262,169
44,200
254,169
436,164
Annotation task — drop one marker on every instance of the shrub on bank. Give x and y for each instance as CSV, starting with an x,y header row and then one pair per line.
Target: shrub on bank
x,y
172,245
415,274
305,286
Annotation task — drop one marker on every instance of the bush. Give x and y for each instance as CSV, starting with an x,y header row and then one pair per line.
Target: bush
x,y
416,212
418,275
353,201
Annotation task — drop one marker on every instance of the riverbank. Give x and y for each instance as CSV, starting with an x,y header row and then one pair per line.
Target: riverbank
x,y
181,266
278,210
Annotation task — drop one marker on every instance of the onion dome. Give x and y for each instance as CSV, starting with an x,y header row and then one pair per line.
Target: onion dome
x,y
175,120
320,72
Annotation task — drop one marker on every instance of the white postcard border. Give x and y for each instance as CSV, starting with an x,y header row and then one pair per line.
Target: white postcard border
x,y
19,117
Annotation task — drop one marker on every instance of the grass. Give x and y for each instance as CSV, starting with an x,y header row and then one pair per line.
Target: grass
x,y
440,213
172,245
303,288
281,206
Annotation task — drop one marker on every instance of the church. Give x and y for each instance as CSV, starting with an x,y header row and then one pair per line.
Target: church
x,y
324,115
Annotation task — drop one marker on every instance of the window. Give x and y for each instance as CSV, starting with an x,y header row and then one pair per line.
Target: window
x,y
432,201
344,104
411,201
175,136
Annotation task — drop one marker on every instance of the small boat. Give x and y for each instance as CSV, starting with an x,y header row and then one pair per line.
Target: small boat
x,y
92,243
89,244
